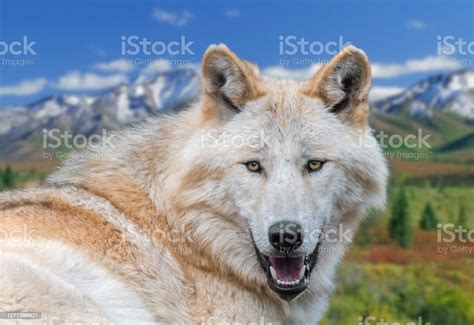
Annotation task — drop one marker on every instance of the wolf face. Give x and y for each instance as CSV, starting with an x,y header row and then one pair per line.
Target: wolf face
x,y
296,157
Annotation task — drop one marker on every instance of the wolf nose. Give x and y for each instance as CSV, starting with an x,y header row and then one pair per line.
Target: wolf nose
x,y
285,235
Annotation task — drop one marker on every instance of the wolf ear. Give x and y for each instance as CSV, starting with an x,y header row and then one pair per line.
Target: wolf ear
x,y
227,80
343,85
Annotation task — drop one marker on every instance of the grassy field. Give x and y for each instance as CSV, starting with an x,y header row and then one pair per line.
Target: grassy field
x,y
379,279
436,292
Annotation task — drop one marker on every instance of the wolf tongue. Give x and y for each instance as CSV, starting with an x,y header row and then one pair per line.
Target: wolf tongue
x,y
287,268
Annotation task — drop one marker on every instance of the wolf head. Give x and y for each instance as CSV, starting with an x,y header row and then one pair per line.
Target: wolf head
x,y
277,165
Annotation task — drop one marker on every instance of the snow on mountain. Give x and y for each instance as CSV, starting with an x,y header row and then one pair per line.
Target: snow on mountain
x,y
127,103
449,92
21,127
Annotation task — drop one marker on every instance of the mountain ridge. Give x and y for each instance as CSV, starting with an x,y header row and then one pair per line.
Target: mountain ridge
x,y
442,99
452,92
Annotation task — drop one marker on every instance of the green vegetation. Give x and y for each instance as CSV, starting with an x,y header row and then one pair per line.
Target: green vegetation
x,y
364,237
405,285
464,143
400,227
429,220
463,222
443,128
401,294
11,179
446,201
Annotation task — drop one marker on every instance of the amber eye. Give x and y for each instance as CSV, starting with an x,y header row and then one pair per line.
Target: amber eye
x,y
253,166
315,165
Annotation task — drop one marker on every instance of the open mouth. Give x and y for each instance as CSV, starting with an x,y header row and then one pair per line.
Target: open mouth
x,y
288,276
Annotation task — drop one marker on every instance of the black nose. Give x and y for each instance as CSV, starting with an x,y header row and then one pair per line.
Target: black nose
x,y
285,235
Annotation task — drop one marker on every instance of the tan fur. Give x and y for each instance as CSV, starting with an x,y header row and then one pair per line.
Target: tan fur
x,y
246,75
318,85
169,221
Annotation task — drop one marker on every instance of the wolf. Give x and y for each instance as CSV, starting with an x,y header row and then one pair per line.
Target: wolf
x,y
235,210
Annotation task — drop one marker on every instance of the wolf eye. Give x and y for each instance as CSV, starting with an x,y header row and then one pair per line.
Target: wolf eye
x,y
314,165
253,166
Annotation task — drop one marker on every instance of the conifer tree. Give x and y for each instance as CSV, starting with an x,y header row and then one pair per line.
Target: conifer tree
x,y
9,178
400,227
429,220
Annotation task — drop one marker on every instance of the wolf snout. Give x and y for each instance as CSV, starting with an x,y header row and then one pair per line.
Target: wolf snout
x,y
285,236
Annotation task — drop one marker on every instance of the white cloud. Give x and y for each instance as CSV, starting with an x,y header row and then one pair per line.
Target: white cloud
x,y
382,92
427,64
25,87
177,19
416,24
120,65
97,50
88,81
233,13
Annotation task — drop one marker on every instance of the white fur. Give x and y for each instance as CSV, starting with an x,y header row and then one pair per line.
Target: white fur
x,y
67,278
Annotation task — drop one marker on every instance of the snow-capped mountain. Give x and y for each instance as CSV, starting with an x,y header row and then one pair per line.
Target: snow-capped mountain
x,y
449,92
21,126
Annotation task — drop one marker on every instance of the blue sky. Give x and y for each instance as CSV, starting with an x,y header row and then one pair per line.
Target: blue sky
x,y
78,44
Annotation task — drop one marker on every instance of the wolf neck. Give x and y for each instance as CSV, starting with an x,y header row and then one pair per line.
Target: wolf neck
x,y
134,174
140,177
